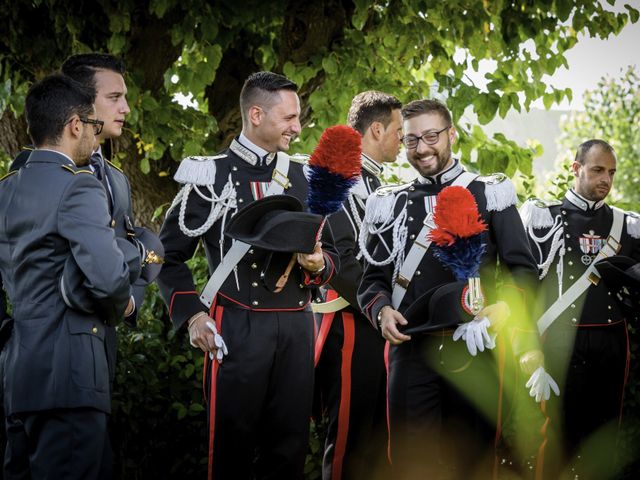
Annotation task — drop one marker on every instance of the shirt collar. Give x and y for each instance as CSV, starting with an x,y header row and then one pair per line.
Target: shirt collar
x,y
249,151
371,166
581,202
445,176
59,153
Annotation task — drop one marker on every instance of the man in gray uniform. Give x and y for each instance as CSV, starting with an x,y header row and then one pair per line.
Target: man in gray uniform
x,y
54,215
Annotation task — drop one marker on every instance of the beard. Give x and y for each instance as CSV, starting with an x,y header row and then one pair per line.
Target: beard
x,y
431,163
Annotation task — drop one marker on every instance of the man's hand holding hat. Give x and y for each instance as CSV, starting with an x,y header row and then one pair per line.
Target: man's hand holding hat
x,y
312,262
388,321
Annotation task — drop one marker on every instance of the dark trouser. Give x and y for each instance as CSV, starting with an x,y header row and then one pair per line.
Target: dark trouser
x,y
351,380
55,444
442,407
589,364
260,397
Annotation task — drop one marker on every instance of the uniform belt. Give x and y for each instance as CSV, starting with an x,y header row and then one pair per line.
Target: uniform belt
x,y
330,307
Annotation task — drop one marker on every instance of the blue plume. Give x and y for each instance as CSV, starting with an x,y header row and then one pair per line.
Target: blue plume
x,y
463,257
327,191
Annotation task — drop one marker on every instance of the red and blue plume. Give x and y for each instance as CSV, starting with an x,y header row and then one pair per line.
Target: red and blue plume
x,y
457,237
334,167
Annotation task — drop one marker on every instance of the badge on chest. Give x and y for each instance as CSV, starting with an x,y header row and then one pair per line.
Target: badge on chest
x,y
590,245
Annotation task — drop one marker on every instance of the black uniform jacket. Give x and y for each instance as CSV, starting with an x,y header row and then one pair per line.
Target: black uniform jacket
x,y
505,239
246,289
586,225
345,225
56,357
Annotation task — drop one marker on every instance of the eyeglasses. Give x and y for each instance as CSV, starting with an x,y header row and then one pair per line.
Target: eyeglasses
x,y
429,138
97,124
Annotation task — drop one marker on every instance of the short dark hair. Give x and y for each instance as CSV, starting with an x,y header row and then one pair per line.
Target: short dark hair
x,y
83,66
427,105
51,102
371,106
260,88
584,148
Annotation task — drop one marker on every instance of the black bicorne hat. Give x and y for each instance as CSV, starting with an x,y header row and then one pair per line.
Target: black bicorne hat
x,y
441,308
276,223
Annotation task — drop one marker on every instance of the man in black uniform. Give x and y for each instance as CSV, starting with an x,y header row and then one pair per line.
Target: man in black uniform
x,y
260,396
57,393
350,371
440,421
583,325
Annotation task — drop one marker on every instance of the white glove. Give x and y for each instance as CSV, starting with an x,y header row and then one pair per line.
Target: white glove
x,y
219,342
540,385
476,334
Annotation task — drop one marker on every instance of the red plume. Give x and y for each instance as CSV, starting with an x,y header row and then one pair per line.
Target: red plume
x,y
338,151
456,216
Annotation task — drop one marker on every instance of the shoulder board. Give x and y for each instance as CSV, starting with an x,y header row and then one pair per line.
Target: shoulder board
x,y
114,166
386,190
301,158
535,213
8,174
28,148
75,171
198,170
492,179
633,224
499,191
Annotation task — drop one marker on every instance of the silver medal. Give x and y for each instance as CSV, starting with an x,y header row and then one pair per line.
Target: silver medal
x,y
586,259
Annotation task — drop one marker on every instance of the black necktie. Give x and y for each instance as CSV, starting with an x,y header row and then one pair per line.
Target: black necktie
x,y
98,170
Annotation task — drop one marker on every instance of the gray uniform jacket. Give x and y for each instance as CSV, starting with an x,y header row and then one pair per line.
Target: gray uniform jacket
x,y
56,356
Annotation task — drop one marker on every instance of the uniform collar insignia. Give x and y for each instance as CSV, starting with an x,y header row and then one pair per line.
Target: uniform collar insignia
x,y
371,166
581,202
246,153
444,177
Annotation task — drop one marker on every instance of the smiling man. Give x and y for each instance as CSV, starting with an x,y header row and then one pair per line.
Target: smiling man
x,y
259,395
584,315
442,400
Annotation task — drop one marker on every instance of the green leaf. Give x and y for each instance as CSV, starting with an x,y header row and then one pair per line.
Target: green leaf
x,y
144,165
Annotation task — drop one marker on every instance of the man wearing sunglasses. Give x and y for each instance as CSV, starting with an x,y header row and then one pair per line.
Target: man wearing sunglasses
x,y
56,380
442,399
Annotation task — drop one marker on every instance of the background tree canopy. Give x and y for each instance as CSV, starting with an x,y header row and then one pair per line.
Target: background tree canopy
x,y
331,48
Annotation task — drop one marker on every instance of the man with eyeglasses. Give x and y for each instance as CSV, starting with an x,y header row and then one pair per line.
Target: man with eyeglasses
x,y
56,378
442,399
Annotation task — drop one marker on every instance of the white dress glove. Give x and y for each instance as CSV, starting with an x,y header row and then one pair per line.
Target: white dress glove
x,y
540,385
476,334
219,342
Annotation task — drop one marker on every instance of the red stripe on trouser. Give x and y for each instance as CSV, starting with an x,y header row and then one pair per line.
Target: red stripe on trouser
x,y
212,394
348,326
386,366
626,371
325,326
501,366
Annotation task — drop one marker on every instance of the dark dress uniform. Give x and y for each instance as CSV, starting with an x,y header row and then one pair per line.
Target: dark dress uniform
x,y
586,348
56,379
260,397
438,395
350,371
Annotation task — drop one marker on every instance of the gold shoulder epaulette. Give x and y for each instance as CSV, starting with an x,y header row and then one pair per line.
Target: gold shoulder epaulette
x,y
385,190
8,174
28,148
492,179
114,166
75,171
300,158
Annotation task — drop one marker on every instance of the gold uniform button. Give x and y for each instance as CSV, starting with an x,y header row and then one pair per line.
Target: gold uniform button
x,y
609,307
254,284
251,251
94,330
573,305
410,202
234,168
254,303
574,320
113,223
418,273
411,219
608,320
240,200
412,236
570,262
254,265
301,303
569,248
301,285
571,277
